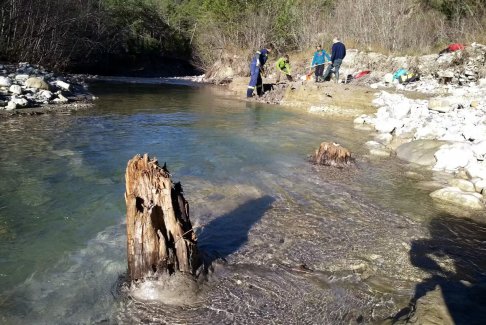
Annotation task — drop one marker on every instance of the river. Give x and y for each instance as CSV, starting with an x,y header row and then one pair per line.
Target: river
x,y
291,243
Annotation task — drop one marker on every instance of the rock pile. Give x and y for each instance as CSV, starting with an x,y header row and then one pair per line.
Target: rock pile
x,y
437,72
447,133
26,85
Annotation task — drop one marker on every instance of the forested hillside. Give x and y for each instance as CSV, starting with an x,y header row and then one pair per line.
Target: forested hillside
x,y
66,34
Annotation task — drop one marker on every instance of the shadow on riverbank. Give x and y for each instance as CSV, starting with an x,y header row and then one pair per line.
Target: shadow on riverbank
x,y
455,258
225,235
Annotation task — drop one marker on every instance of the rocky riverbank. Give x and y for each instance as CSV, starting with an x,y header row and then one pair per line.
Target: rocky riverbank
x,y
438,121
30,89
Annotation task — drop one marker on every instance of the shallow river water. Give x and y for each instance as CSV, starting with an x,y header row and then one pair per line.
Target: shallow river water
x,y
291,243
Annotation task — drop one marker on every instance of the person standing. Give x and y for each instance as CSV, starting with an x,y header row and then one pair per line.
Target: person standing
x,y
283,66
256,70
337,56
318,62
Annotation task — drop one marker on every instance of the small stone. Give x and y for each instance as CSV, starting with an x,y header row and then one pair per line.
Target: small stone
x,y
5,82
11,106
15,89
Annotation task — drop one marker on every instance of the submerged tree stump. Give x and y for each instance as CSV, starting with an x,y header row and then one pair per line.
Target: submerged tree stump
x,y
159,232
331,154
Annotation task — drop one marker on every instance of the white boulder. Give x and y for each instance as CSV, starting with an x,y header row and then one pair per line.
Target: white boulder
x,y
387,125
15,89
476,170
5,82
453,156
479,185
63,85
419,152
456,196
462,184
20,101
36,83
10,106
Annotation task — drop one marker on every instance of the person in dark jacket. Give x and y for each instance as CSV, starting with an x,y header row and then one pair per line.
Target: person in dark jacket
x,y
337,56
256,70
318,62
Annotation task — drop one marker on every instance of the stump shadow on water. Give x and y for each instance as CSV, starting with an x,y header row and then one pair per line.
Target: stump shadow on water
x,y
223,236
460,243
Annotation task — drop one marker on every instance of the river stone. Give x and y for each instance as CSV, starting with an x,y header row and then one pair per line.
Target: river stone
x,y
474,132
37,83
442,105
5,82
476,170
384,138
453,156
11,106
456,196
387,125
479,150
60,99
20,101
479,185
45,94
15,89
63,85
419,152
462,184
378,149
482,82
400,110
21,77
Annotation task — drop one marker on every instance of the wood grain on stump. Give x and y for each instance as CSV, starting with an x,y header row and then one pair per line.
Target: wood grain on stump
x,y
331,154
159,231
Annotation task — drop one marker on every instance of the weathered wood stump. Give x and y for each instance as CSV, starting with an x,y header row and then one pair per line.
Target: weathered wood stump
x,y
159,232
331,154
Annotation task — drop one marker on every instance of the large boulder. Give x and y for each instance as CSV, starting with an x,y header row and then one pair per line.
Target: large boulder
x,y
451,157
37,83
455,196
420,152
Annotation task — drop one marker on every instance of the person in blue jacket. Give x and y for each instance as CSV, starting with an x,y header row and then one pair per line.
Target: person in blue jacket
x,y
337,56
256,70
318,62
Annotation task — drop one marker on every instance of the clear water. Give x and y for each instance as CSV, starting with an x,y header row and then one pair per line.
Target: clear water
x,y
259,206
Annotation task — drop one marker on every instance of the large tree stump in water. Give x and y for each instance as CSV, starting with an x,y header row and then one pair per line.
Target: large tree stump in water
x,y
331,154
159,231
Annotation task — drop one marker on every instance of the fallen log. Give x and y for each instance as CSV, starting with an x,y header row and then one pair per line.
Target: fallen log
x,y
159,231
331,154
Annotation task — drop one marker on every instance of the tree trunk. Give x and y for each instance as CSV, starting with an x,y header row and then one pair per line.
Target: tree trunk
x,y
159,233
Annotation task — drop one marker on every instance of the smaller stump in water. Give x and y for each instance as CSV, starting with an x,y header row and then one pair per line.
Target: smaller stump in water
x,y
331,154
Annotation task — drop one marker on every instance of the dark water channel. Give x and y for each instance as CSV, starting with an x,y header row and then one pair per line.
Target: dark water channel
x,y
292,243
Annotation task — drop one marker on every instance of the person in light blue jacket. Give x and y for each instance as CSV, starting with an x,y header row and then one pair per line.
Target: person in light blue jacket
x,y
318,62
